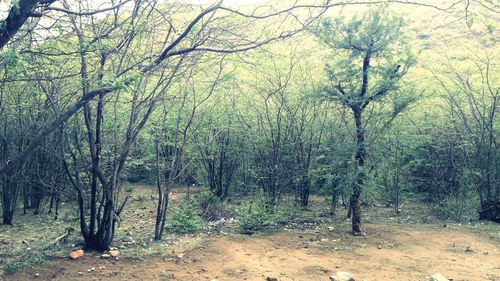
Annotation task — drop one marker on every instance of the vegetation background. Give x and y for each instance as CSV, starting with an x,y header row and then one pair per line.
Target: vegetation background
x,y
260,114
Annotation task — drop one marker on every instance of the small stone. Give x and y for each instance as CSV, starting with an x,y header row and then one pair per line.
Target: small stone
x,y
271,278
342,276
80,273
105,256
92,269
37,275
379,246
76,254
114,253
337,266
128,239
438,277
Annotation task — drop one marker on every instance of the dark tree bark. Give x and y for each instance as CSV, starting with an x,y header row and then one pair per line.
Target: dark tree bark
x,y
359,179
18,15
335,197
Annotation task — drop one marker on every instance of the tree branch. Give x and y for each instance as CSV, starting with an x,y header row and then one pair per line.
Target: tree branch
x,y
89,13
38,139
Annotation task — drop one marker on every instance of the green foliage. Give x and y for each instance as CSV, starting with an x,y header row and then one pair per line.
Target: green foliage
x,y
377,29
458,208
27,262
185,219
255,216
15,7
333,168
141,197
378,37
209,205
287,211
129,188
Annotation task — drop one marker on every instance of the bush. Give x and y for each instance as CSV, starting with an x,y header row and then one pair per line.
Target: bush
x,y
129,188
209,206
185,219
289,211
141,197
254,217
27,262
455,208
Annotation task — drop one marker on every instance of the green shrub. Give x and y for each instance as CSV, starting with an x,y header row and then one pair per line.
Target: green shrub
x,y
141,197
209,206
27,262
254,217
185,219
288,211
455,208
129,188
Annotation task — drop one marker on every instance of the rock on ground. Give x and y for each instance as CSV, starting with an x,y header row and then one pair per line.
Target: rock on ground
x,y
76,254
438,277
114,253
342,276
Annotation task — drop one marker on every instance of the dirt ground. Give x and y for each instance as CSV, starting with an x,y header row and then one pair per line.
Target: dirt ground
x,y
388,252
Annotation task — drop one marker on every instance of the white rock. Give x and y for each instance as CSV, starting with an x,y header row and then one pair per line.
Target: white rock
x,y
438,277
114,253
342,276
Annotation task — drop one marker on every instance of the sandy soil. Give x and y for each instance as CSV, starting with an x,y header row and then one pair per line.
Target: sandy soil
x,y
388,252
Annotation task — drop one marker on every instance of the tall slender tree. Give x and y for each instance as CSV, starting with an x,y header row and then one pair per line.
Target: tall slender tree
x,y
372,58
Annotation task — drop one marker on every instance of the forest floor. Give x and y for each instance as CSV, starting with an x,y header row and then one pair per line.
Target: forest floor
x,y
308,249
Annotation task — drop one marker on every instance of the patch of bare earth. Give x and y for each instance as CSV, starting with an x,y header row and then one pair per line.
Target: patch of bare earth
x,y
388,252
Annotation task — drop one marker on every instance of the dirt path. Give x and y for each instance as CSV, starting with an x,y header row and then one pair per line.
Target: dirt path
x,y
387,253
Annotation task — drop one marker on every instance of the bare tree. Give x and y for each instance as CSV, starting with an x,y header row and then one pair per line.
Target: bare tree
x,y
171,139
473,98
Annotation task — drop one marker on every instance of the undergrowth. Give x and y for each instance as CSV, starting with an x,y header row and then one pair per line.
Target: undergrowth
x,y
26,262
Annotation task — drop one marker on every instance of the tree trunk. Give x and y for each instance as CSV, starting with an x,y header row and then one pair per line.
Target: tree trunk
x,y
304,191
359,179
10,191
335,198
